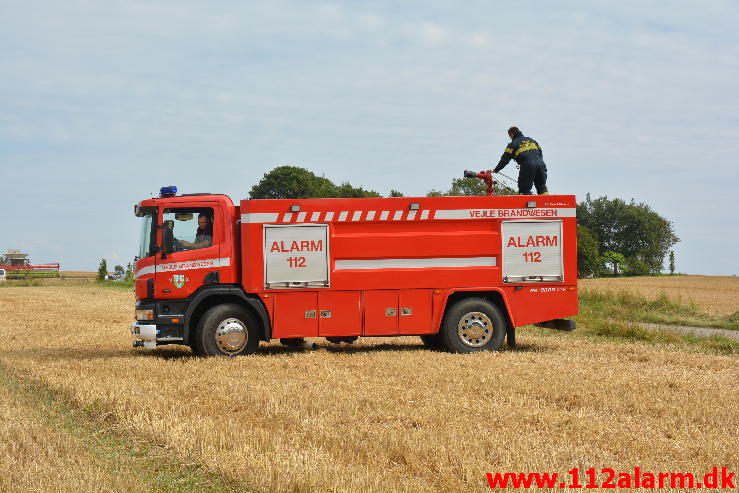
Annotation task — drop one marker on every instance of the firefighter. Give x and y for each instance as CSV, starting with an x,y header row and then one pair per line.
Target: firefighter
x,y
203,235
528,155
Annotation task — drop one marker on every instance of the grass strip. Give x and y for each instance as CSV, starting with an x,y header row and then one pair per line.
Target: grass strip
x,y
596,329
151,464
629,307
611,315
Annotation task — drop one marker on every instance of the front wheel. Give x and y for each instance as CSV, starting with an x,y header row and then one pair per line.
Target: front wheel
x,y
227,330
473,324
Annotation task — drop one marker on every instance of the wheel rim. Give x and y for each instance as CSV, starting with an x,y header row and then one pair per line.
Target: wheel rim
x,y
475,329
231,336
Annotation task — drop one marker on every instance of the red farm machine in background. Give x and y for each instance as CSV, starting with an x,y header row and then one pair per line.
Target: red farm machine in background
x,y
17,266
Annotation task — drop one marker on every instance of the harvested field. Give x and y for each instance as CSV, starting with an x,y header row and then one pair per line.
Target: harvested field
x,y
716,295
382,415
78,274
37,455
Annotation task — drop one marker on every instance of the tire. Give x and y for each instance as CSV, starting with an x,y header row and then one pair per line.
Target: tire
x,y
471,325
431,341
227,330
195,350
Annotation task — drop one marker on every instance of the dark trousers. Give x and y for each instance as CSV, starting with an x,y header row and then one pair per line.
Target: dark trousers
x,y
532,173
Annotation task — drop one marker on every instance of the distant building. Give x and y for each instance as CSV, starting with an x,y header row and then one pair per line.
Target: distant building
x,y
14,258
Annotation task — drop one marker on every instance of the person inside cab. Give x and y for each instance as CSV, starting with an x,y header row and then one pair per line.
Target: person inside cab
x,y
203,235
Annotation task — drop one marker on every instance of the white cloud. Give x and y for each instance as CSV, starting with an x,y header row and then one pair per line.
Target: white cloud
x,y
372,21
479,40
433,34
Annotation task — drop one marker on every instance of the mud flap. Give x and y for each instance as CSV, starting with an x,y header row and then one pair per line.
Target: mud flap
x,y
558,324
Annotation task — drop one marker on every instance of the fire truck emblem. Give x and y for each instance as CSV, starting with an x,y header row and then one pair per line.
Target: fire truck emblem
x,y
179,280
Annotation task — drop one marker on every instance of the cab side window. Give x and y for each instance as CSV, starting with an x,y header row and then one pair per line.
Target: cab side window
x,y
192,228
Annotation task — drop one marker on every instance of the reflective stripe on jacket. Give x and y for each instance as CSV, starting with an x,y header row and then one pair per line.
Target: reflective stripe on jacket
x,y
522,149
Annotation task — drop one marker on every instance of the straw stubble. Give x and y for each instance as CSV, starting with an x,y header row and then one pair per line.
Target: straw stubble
x,y
383,414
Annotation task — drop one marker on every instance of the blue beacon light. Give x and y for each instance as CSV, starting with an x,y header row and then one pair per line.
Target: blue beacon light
x,y
169,191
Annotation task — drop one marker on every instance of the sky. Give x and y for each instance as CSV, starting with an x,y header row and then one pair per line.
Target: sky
x,y
102,103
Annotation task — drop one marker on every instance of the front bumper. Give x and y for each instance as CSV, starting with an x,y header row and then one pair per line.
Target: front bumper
x,y
145,335
148,335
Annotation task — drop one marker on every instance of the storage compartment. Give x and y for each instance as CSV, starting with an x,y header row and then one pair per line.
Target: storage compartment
x,y
380,312
295,315
414,311
339,313
532,251
296,256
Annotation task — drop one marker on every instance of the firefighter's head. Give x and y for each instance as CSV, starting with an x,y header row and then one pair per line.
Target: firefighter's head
x,y
204,221
513,132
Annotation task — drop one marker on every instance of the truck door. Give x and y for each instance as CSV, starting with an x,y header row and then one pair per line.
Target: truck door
x,y
190,237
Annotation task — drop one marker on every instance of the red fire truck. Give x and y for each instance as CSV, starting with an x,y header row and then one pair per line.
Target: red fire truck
x,y
460,272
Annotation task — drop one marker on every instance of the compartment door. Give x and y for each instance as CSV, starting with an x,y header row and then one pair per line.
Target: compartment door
x,y
295,315
380,312
532,251
414,311
296,256
339,313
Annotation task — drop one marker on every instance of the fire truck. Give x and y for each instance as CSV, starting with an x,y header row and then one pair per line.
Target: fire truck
x,y
460,272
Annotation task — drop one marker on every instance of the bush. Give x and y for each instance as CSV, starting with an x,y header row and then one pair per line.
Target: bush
x,y
588,261
102,270
635,266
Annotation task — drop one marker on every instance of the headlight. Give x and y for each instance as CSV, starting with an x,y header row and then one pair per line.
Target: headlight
x,y
144,314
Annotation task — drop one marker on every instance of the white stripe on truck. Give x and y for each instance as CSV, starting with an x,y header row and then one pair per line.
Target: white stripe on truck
x,y
531,213
259,217
416,263
208,263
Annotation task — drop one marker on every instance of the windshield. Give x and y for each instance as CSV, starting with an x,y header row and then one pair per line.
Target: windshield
x,y
145,237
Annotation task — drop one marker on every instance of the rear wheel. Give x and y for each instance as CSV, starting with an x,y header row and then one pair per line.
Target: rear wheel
x,y
473,324
226,330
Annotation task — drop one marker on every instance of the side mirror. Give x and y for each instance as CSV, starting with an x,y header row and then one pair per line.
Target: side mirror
x,y
167,241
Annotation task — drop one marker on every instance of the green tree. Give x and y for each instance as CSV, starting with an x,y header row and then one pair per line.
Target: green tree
x,y
636,266
129,273
102,270
469,187
292,182
672,261
588,261
466,187
395,193
345,190
616,261
632,229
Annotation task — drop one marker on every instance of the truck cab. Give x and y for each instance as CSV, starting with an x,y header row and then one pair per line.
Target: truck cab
x,y
172,269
